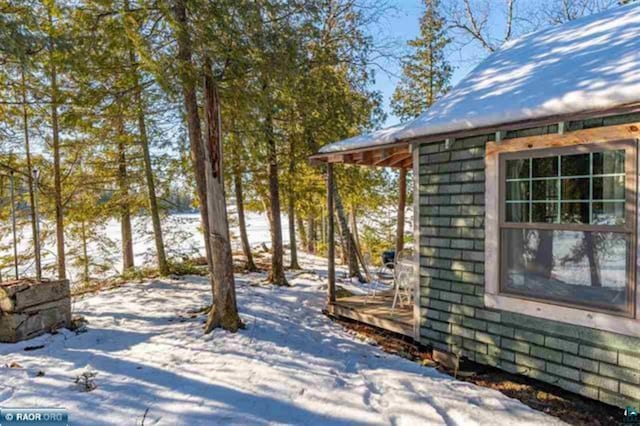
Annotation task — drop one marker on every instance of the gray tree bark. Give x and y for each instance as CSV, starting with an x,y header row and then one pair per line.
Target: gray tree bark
x,y
594,264
292,212
57,173
276,276
244,238
190,99
347,237
154,211
302,231
354,228
224,312
125,210
311,234
85,252
32,197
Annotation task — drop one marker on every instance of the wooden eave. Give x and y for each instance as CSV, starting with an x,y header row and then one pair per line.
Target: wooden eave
x,y
398,153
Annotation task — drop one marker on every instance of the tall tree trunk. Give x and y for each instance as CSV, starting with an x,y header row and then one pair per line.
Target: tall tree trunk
x,y
352,256
292,212
14,238
125,210
594,265
343,243
224,312
32,195
321,228
163,267
57,173
544,254
358,246
244,238
311,234
402,203
304,243
85,251
188,79
354,228
276,276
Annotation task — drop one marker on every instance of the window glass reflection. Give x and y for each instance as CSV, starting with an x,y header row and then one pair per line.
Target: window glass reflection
x,y
578,267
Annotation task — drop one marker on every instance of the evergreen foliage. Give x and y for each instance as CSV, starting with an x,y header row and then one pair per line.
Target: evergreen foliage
x,y
426,73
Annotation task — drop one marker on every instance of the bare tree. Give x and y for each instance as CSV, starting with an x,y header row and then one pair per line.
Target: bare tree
x,y
561,11
474,21
224,311
491,23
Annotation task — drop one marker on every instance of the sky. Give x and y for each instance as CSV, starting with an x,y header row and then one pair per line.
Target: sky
x,y
401,25
398,27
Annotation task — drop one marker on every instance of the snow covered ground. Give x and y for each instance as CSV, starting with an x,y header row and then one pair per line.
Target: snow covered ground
x,y
182,237
291,365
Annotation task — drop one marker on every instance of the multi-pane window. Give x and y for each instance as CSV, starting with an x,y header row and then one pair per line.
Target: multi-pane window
x,y
586,188
567,225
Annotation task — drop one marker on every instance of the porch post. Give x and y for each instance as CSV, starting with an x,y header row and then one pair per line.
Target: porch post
x,y
402,202
330,236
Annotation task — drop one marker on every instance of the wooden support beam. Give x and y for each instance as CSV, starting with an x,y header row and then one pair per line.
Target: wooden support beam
x,y
363,157
385,154
317,162
367,157
402,204
398,158
331,269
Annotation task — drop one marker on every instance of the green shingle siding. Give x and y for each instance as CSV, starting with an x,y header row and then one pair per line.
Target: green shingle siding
x,y
593,363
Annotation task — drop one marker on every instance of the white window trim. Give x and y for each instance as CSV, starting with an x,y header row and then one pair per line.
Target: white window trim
x,y
493,298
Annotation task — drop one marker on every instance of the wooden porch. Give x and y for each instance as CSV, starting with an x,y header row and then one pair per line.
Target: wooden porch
x,y
375,311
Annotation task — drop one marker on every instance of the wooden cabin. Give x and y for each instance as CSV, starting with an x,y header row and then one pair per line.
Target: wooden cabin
x,y
526,204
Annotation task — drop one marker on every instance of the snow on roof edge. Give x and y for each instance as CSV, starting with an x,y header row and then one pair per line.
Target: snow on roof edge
x,y
586,65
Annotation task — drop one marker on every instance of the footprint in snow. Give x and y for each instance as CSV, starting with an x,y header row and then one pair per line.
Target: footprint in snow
x,y
6,393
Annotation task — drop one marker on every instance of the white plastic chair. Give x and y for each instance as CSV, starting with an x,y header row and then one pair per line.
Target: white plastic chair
x,y
403,279
382,276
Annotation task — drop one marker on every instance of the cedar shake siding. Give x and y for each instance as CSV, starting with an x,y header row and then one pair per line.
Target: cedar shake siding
x,y
453,317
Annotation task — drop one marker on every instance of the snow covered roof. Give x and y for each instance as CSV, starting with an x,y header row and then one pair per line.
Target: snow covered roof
x,y
588,64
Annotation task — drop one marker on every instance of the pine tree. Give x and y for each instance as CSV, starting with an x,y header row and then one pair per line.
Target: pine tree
x,y
426,74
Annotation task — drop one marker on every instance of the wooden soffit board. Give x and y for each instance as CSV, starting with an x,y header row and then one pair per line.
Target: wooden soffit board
x,y
397,155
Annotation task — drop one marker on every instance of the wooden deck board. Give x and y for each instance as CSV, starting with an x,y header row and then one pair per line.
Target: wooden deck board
x,y
375,310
